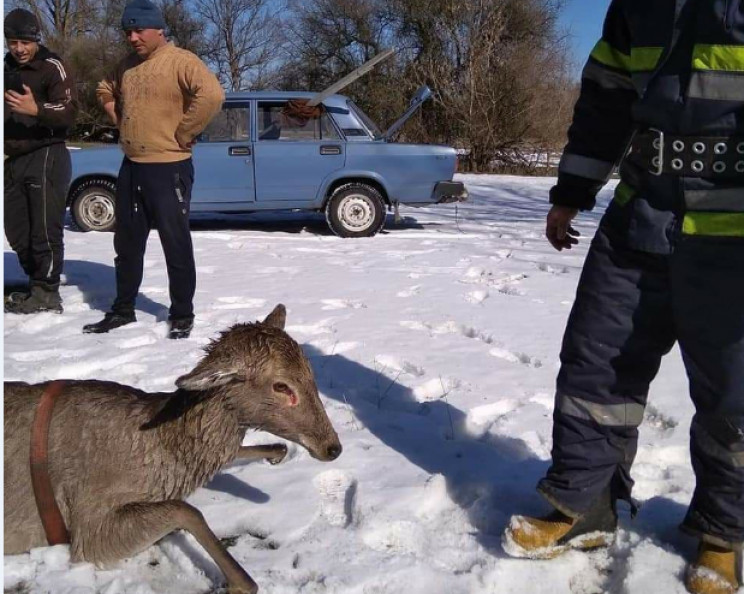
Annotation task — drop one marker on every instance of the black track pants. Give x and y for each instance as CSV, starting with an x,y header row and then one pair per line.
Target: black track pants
x,y
154,196
35,200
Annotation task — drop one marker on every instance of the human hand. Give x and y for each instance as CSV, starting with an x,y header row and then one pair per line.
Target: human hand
x,y
558,229
24,104
183,142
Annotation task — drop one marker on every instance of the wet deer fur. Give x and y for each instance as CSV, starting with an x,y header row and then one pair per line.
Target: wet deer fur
x,y
122,460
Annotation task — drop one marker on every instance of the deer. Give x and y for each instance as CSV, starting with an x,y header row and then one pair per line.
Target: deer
x,y
121,461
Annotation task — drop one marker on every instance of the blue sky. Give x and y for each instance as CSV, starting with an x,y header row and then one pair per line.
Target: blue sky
x,y
583,19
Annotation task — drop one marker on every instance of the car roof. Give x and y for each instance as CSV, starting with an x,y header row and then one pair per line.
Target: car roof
x,y
335,100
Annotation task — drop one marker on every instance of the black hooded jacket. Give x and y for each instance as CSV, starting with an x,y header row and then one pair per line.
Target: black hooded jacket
x,y
50,82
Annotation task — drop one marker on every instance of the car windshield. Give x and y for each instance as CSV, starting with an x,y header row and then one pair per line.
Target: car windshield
x,y
366,120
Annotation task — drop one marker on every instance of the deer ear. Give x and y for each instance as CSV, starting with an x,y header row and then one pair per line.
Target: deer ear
x,y
277,318
205,377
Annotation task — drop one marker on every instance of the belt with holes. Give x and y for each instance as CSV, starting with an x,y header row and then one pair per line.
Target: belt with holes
x,y
715,157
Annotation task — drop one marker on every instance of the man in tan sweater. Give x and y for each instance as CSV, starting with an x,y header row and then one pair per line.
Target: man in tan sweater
x,y
160,97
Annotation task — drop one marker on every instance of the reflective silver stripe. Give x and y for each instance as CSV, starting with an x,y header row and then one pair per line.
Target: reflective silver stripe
x,y
721,199
714,449
605,78
721,86
586,167
608,415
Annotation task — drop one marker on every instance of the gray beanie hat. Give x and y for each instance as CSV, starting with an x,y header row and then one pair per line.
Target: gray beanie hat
x,y
142,14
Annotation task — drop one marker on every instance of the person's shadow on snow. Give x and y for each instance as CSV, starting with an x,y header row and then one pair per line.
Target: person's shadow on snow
x,y
490,477
97,283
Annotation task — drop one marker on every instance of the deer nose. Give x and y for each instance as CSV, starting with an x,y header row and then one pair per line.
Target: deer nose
x,y
334,451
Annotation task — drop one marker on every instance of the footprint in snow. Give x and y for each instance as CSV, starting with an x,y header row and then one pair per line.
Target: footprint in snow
x,y
476,297
401,537
511,357
330,304
435,389
388,362
543,267
336,489
238,303
137,341
410,292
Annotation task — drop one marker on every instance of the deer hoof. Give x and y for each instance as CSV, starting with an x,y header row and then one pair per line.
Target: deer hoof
x,y
281,453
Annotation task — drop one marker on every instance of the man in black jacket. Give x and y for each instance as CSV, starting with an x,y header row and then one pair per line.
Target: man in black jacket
x,y
663,88
39,108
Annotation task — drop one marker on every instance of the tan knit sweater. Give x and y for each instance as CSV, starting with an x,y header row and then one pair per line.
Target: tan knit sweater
x,y
162,103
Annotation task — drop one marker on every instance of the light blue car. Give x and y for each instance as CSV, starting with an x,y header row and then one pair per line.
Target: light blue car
x,y
254,157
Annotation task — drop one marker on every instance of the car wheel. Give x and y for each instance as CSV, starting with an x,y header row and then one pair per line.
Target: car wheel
x,y
355,210
92,205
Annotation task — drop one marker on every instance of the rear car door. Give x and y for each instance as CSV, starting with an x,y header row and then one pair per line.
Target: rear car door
x,y
223,160
292,155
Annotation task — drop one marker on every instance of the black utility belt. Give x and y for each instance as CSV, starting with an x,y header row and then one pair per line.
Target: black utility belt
x,y
688,156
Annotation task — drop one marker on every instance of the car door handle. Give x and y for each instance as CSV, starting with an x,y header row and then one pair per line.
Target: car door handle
x,y
239,151
330,149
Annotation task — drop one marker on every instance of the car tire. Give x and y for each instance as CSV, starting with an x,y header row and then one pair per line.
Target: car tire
x,y
356,210
92,205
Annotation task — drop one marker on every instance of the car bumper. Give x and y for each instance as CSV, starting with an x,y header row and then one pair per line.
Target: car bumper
x,y
449,191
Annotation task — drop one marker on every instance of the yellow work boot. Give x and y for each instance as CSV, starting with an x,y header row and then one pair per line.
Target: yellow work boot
x,y
552,535
715,571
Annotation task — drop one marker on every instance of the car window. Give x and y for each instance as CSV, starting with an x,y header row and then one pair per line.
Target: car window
x,y
274,123
350,124
232,124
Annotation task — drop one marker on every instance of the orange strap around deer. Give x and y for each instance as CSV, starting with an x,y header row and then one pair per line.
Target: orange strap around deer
x,y
51,517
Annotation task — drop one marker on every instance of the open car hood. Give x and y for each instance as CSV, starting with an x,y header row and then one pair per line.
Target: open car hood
x,y
422,94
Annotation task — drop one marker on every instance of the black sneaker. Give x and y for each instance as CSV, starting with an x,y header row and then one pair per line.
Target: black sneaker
x,y
110,321
40,299
180,328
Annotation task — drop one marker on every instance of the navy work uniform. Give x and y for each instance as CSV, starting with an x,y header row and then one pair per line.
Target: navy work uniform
x,y
665,88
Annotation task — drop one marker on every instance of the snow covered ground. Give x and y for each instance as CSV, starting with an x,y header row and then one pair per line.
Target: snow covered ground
x,y
435,347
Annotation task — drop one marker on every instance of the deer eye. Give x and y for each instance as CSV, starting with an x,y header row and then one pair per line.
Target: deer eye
x,y
283,388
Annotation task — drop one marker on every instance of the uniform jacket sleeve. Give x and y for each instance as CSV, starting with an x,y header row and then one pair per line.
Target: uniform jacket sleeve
x,y
206,98
602,122
59,108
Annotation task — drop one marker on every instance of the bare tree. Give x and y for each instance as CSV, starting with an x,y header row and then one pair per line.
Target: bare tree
x,y
496,67
327,39
184,26
243,40
61,20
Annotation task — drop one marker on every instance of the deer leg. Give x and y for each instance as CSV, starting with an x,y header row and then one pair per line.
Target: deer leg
x,y
133,527
274,453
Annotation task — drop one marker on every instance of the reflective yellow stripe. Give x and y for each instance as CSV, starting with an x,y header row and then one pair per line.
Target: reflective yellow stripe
x,y
727,58
605,54
640,59
624,193
645,58
719,224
